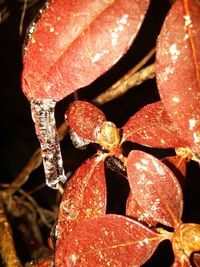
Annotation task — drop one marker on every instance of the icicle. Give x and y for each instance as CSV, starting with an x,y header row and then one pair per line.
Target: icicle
x,y
45,125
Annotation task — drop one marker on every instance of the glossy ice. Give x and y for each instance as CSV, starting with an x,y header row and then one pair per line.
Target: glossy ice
x,y
43,116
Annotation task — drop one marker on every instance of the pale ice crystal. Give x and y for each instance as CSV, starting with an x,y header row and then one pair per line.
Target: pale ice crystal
x,y
78,141
187,21
175,99
121,24
174,52
192,123
45,125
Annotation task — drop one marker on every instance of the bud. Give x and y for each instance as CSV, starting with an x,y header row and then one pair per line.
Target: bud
x,y
107,135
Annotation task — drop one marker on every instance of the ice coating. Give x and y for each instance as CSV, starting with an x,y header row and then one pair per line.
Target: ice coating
x,y
45,125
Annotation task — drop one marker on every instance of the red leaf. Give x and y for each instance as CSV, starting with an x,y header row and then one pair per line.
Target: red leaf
x,y
151,126
134,210
85,195
74,42
110,240
83,118
178,68
178,166
155,188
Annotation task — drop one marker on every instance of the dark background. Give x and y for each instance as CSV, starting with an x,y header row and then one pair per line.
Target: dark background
x,y
18,139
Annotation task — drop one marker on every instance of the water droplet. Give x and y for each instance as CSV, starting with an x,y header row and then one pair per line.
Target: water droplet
x,y
174,52
78,141
175,99
51,29
188,22
192,123
45,125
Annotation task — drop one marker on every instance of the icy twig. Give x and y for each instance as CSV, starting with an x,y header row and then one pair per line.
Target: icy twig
x,y
132,78
33,164
43,111
7,247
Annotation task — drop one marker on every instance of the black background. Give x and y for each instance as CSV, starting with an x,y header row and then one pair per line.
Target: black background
x,y
18,139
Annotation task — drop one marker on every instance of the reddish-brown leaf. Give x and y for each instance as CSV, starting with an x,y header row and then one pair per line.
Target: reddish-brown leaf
x,y
134,210
85,195
110,240
151,126
178,166
155,188
74,42
178,68
83,118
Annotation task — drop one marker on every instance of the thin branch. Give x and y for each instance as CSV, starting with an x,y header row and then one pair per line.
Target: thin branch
x,y
7,247
33,164
132,78
36,207
22,17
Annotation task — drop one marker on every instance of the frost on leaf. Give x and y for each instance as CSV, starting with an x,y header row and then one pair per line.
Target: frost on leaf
x,y
178,69
109,240
77,141
135,211
84,197
151,126
155,188
83,118
74,42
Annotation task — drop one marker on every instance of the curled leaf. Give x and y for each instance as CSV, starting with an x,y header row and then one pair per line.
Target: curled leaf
x,y
110,240
178,68
83,118
85,195
155,188
74,42
151,126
